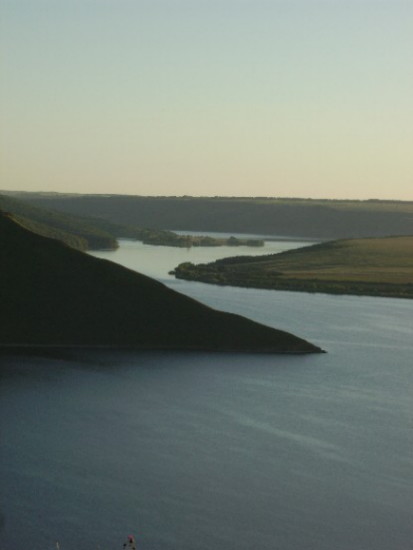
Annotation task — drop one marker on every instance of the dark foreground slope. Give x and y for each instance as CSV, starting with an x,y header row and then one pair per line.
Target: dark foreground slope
x,y
51,294
375,267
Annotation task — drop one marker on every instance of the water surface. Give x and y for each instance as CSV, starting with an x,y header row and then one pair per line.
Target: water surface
x,y
225,451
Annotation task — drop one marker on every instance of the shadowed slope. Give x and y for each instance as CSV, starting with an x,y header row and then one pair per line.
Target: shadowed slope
x,y
77,232
51,294
318,219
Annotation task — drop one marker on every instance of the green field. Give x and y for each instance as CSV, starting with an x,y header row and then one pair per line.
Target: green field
x,y
373,266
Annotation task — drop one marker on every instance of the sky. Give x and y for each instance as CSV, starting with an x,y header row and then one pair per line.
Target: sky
x,y
289,98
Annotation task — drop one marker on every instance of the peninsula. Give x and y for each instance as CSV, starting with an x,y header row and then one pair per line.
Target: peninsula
x,y
54,295
372,266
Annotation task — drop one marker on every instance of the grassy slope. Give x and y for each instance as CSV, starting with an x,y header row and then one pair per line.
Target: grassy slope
x,y
78,233
318,219
85,232
51,294
375,266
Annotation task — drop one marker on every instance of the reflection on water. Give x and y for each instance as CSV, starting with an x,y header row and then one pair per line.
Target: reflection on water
x,y
157,261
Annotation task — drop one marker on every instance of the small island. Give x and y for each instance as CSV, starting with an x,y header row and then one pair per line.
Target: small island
x,y
372,267
169,238
92,233
52,295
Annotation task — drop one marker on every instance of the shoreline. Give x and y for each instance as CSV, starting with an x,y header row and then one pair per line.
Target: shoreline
x,y
61,350
316,287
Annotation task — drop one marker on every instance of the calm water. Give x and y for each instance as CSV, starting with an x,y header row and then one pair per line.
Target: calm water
x,y
157,261
218,451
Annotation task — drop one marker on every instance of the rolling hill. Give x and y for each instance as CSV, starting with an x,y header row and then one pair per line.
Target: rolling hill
x,y
77,232
374,266
302,218
54,295
91,233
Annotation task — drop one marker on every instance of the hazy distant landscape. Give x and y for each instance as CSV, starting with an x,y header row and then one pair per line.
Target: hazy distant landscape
x,y
317,219
206,275
94,233
363,265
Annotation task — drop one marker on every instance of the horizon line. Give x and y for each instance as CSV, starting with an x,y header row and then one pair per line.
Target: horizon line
x,y
186,196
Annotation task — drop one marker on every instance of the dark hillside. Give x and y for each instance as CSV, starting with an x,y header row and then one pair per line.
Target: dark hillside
x,y
51,294
77,232
318,219
91,233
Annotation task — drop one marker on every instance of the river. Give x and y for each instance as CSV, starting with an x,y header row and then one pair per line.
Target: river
x,y
196,451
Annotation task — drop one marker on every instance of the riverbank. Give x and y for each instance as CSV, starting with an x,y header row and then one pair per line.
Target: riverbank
x,y
366,267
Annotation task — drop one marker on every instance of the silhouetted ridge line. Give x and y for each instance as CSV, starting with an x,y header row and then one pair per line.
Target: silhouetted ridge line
x,y
54,295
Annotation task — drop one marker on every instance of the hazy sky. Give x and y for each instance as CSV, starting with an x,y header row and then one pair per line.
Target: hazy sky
x,y
201,97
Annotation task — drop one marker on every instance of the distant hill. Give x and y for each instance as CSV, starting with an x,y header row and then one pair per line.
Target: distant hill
x,y
75,231
53,295
90,233
374,266
316,219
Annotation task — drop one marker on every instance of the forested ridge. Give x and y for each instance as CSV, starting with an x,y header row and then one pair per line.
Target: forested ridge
x,y
317,219
86,232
